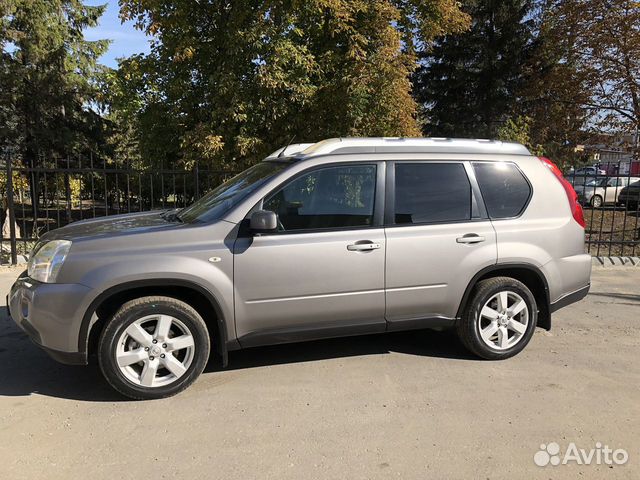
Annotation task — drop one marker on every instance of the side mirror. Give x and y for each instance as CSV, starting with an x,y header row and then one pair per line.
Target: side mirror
x,y
263,221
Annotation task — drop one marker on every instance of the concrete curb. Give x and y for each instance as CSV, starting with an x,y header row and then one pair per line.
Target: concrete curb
x,y
607,262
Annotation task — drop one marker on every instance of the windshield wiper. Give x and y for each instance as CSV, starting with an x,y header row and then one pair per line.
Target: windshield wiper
x,y
172,216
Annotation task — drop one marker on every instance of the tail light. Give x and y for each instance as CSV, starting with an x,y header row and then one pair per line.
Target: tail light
x,y
572,196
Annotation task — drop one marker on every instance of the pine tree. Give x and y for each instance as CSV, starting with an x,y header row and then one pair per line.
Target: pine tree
x,y
469,82
47,73
47,77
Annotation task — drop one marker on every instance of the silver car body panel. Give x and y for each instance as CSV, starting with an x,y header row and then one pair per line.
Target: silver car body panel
x,y
422,280
309,281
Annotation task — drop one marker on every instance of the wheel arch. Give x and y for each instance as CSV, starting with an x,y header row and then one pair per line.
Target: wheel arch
x,y
526,273
105,304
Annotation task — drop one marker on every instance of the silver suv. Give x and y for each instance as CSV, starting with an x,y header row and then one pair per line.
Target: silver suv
x,y
342,237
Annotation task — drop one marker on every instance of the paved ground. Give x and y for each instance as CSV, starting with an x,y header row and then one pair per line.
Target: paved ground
x,y
407,405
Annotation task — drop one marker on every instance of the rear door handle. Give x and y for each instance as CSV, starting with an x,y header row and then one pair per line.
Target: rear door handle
x,y
363,246
470,238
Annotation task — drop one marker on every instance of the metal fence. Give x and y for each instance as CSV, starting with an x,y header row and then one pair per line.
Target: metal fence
x,y
43,198
81,188
611,207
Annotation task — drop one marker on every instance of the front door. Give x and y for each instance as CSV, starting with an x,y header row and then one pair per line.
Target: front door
x,y
322,273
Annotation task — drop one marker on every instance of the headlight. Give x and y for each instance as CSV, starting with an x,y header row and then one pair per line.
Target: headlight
x,y
45,263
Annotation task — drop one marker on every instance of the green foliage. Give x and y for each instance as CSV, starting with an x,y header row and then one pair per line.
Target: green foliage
x,y
228,82
519,130
47,73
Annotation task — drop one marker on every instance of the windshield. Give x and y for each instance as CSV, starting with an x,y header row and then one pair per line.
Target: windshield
x,y
221,199
597,182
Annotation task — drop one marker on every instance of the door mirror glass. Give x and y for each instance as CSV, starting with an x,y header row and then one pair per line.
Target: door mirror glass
x,y
263,221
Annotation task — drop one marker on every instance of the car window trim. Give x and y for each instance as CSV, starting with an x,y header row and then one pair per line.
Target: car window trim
x,y
378,199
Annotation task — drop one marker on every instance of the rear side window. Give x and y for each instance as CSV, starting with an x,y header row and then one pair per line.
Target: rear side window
x,y
504,188
431,192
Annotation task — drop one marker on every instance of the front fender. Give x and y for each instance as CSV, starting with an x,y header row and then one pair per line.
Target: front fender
x,y
213,280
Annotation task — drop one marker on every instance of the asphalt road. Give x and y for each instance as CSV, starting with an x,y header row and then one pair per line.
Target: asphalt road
x,y
408,405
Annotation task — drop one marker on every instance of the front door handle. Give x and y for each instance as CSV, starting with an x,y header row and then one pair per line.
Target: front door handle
x,y
363,246
470,238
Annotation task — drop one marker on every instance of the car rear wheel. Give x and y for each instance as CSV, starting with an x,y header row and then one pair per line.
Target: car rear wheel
x,y
499,319
596,201
153,347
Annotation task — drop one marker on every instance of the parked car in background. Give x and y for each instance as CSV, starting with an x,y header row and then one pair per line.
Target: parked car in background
x,y
578,181
598,191
629,196
588,171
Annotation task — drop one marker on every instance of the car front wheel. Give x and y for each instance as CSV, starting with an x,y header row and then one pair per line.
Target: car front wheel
x,y
153,347
499,319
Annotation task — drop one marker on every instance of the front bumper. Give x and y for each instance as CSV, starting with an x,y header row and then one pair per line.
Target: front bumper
x,y
51,315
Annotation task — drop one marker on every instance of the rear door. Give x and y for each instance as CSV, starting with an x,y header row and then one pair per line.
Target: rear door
x,y
438,238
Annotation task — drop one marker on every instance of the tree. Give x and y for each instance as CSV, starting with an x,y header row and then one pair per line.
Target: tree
x,y
47,73
582,78
606,50
228,82
553,93
469,81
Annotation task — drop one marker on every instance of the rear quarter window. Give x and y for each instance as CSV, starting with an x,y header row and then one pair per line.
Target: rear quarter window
x,y
504,188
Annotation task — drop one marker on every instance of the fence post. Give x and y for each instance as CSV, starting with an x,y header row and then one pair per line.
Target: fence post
x,y
67,190
11,217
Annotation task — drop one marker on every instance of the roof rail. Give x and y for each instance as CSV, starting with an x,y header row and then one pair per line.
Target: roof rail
x,y
290,149
407,145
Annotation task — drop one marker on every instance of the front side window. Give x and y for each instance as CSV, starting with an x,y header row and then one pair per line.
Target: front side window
x,y
597,182
332,197
431,192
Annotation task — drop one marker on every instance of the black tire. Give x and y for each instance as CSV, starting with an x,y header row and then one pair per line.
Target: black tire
x,y
468,327
596,201
140,308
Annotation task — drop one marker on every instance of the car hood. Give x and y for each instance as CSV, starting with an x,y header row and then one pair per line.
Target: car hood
x,y
126,224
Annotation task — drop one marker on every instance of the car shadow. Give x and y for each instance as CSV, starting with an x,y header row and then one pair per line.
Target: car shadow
x,y
425,343
26,370
620,296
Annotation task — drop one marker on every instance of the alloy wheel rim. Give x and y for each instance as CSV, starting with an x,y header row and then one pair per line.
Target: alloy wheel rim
x,y
503,320
155,351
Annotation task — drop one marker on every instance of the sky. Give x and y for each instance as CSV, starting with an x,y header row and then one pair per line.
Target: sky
x,y
126,40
